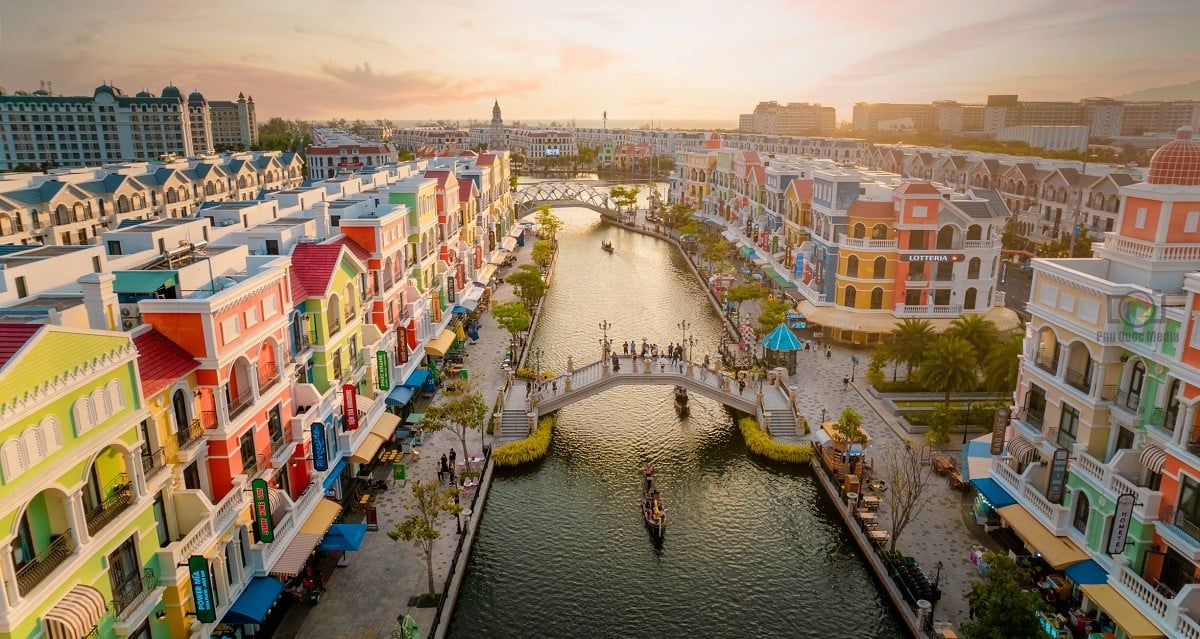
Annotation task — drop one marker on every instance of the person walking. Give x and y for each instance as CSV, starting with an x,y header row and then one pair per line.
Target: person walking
x,y
452,465
554,387
845,382
442,468
741,386
528,388
626,348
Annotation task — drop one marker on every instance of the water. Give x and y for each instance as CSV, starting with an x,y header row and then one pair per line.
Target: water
x,y
751,550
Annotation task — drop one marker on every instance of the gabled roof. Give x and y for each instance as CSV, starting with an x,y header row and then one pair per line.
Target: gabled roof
x,y
46,191
760,174
358,251
803,188
871,209
312,269
441,175
917,188
465,185
13,337
992,205
161,361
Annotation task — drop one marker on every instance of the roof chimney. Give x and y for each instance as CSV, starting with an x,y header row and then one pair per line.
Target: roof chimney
x,y
321,215
100,300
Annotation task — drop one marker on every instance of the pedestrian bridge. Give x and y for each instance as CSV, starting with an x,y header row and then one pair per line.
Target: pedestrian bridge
x,y
773,404
564,194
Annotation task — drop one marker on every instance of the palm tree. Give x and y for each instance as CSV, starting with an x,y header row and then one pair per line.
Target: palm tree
x,y
950,367
910,340
1000,364
979,332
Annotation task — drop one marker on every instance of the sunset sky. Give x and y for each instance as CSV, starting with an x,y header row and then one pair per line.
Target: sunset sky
x,y
569,58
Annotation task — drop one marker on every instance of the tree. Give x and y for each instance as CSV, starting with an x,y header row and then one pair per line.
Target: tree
x,y
910,341
548,223
907,480
541,253
1002,602
406,156
512,182
940,424
678,215
979,332
529,284
849,427
463,411
1000,365
773,313
744,293
512,317
690,227
950,367
625,196
429,501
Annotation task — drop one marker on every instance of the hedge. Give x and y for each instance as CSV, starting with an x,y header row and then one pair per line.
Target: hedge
x,y
526,450
760,443
909,386
980,418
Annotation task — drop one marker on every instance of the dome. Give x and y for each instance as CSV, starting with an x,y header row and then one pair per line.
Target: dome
x,y
144,94
1177,162
107,89
195,97
170,91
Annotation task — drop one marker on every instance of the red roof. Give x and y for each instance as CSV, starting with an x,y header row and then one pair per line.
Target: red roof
x,y
871,209
13,337
917,188
485,158
803,189
464,189
358,251
439,175
160,361
468,154
312,269
760,174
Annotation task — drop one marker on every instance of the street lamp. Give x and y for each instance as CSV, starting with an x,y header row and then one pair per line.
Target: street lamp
x,y
822,416
537,358
966,423
683,327
604,344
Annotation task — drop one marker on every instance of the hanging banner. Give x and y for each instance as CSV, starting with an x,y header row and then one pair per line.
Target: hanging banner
x,y
478,257
999,429
462,275
1058,476
202,589
264,528
384,373
350,403
320,448
401,345
1120,526
450,288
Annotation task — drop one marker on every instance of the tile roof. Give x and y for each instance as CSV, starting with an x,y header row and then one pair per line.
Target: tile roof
x,y
161,361
312,269
13,337
464,189
871,209
917,188
358,251
803,188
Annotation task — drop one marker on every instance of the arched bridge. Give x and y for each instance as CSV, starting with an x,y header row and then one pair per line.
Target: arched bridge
x,y
774,405
564,194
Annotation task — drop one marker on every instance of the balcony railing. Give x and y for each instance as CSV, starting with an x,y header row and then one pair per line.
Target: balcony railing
x,y
267,378
1081,381
40,567
356,361
250,466
923,310
127,595
116,503
153,461
239,404
1108,393
1187,523
1033,416
1048,364
278,440
191,432
335,325
1129,400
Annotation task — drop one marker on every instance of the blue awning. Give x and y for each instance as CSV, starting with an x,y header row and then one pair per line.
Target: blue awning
x,y
418,378
460,310
343,537
1086,572
256,601
399,396
993,493
335,472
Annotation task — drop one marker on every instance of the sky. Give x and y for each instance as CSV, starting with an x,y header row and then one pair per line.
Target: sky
x,y
562,59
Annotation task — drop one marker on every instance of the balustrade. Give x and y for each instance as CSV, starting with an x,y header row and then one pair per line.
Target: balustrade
x,y
127,595
115,504
30,574
191,431
267,378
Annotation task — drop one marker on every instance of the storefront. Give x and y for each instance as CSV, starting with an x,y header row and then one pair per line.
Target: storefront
x,y
1118,614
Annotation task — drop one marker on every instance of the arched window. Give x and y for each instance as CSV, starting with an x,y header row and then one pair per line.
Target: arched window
x,y
974,232
877,298
969,300
973,268
860,230
852,266
179,406
880,268
945,237
849,298
879,232
1079,519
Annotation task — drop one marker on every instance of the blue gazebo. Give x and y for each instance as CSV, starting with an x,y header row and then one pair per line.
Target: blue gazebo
x,y
780,348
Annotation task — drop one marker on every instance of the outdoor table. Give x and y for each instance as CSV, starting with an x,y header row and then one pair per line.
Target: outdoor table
x,y
865,516
469,483
872,503
878,536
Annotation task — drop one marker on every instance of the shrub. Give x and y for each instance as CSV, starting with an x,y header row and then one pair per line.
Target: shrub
x,y
760,443
526,450
900,386
926,418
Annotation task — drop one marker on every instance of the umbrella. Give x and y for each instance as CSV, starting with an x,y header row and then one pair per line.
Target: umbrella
x,y
782,339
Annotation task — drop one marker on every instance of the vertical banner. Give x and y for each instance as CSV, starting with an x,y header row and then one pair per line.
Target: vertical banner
x,y
401,345
478,257
462,275
999,429
1058,476
202,590
264,528
350,403
1120,525
383,371
450,286
320,448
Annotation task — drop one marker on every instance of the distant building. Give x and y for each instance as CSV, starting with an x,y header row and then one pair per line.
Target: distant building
x,y
794,118
234,123
869,117
328,161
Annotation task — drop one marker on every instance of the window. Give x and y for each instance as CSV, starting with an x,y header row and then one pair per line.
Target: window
x,y
22,290
124,571
275,425
852,266
877,298
1140,221
160,521
191,476
1080,519
1068,425
1193,220
249,453
879,271
920,211
849,298
973,268
1187,516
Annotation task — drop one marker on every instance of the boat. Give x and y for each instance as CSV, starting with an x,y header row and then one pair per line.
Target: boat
x,y
607,246
652,508
681,402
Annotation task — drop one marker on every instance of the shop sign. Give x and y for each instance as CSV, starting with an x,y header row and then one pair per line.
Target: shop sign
x,y
384,371
264,528
401,345
202,590
933,257
999,429
320,448
1058,476
1120,526
350,403
450,288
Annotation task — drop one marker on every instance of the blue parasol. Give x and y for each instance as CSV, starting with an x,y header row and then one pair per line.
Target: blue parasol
x,y
781,339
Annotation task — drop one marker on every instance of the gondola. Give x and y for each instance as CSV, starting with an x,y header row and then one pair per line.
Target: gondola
x,y
681,402
653,510
607,246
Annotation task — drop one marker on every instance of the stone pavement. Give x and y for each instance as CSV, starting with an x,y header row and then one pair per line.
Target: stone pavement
x,y
364,600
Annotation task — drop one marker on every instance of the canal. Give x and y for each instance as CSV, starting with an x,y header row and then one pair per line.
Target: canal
x,y
752,549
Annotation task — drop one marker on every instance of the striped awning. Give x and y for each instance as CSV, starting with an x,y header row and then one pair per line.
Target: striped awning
x,y
293,558
1022,450
74,616
1153,458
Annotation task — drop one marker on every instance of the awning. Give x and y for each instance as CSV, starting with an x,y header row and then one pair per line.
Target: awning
x,y
364,404
1086,572
367,450
292,560
441,345
417,379
343,537
1153,458
255,601
1022,450
497,258
470,301
509,244
485,274
334,473
1057,551
386,425
74,616
730,235
992,492
979,458
747,251
780,281
1135,625
415,418
142,281
399,396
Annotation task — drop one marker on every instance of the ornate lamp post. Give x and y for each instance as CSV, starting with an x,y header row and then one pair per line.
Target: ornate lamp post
x,y
683,327
604,343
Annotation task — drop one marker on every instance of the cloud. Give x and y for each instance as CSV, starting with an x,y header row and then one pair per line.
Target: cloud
x,y
576,57
406,88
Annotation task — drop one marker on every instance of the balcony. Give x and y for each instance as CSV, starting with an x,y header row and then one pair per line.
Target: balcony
x,y
981,244
239,404
267,378
1035,417
278,440
922,310
116,504
1048,364
40,567
250,466
356,360
128,595
1163,419
153,461
335,325
191,432
1079,380
863,243
1128,400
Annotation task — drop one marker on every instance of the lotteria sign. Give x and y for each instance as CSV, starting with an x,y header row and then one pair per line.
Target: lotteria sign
x,y
385,375
350,402
936,257
264,528
202,590
320,448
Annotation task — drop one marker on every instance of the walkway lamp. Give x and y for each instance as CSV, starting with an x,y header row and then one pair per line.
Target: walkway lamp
x,y
966,423
683,327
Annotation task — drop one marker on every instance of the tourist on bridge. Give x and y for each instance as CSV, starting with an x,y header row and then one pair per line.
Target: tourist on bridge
x,y
528,388
741,386
554,387
625,347
616,363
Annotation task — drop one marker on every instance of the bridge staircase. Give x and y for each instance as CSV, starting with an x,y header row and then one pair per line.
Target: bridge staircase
x,y
514,424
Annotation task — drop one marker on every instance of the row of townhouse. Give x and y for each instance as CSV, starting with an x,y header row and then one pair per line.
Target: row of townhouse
x,y
75,206
425,141
859,250
1101,470
186,401
1044,195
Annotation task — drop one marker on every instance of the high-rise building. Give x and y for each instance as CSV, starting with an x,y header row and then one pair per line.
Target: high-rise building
x,y
882,116
793,118
201,123
234,124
